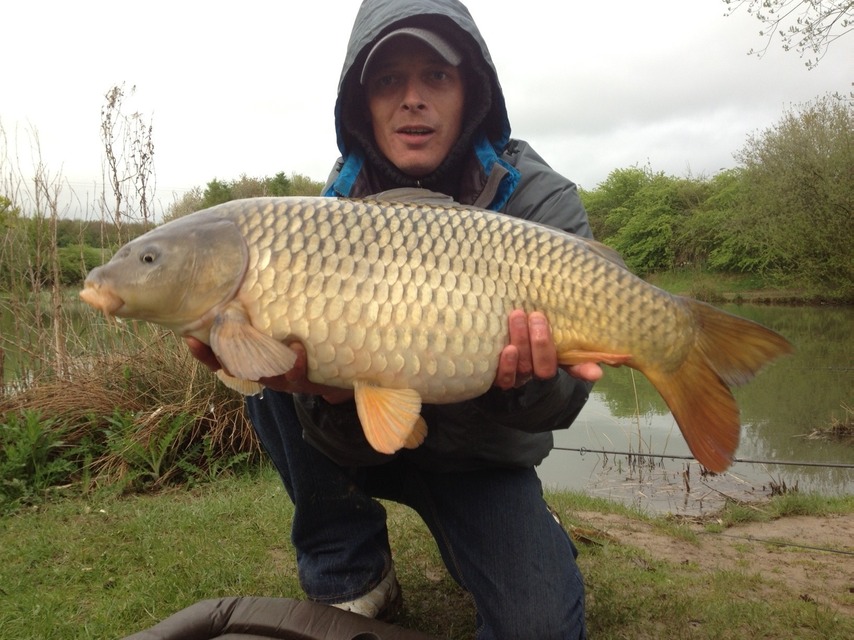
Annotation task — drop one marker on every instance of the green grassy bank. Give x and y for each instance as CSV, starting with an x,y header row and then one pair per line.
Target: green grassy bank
x,y
103,566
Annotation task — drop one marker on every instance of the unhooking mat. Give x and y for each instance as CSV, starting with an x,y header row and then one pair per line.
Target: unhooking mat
x,y
271,619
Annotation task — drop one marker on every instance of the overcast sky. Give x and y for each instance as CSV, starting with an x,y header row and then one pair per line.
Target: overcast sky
x,y
249,87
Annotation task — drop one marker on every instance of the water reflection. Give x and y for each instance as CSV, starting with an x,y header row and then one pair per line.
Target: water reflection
x,y
779,409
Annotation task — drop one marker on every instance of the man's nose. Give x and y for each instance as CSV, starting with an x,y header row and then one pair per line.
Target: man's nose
x,y
413,96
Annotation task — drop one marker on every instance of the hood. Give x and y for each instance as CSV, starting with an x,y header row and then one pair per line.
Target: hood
x,y
376,18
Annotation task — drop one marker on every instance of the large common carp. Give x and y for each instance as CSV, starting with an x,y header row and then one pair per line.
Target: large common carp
x,y
405,298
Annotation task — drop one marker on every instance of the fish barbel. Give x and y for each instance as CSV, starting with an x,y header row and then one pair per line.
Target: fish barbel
x,y
405,297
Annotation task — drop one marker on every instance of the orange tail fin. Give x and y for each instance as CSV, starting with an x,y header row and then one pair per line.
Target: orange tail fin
x,y
729,351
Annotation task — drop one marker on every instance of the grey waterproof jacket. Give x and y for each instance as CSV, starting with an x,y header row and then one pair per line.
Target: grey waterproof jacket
x,y
500,428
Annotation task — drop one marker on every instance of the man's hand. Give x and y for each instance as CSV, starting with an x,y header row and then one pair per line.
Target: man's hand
x,y
532,354
294,381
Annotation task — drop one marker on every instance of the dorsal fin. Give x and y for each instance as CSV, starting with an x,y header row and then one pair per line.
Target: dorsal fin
x,y
606,252
414,195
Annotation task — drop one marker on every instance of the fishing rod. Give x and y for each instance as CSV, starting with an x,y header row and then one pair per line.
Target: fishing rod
x,y
780,543
829,465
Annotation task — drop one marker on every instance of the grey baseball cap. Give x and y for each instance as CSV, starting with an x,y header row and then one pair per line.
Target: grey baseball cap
x,y
439,44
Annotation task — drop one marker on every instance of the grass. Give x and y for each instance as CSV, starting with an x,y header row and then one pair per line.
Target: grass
x,y
787,504
105,566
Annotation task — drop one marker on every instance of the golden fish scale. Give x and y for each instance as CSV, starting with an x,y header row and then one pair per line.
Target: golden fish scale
x,y
417,296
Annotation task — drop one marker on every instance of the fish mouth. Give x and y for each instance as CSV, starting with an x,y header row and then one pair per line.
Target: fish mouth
x,y
101,298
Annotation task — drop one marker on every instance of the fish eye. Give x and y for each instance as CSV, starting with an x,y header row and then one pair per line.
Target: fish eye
x,y
149,256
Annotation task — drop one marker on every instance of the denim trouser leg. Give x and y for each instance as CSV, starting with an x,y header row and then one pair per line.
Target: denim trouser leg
x,y
492,526
500,541
339,532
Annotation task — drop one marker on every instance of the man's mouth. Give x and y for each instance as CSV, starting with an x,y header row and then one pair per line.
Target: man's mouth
x,y
415,131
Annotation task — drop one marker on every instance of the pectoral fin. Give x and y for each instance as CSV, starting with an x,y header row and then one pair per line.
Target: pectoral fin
x,y
391,418
245,352
578,356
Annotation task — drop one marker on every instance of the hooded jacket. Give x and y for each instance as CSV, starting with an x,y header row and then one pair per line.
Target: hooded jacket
x,y
488,169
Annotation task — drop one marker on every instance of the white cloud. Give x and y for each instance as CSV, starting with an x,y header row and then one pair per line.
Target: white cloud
x,y
251,89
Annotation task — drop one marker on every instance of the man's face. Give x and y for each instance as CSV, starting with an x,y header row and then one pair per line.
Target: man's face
x,y
416,101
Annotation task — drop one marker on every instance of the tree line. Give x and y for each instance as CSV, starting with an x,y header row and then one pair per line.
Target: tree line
x,y
82,245
219,191
784,213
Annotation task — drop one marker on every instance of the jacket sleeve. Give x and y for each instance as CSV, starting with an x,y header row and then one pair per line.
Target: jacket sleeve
x,y
538,406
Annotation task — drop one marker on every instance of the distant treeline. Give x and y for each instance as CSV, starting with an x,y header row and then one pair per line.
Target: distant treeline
x,y
217,191
82,245
784,214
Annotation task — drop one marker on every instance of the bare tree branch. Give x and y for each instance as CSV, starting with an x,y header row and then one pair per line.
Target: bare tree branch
x,y
802,25
128,162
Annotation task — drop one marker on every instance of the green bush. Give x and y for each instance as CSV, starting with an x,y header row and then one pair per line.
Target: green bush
x,y
33,458
76,261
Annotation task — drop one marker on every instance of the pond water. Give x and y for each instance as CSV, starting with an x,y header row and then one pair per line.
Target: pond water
x,y
781,409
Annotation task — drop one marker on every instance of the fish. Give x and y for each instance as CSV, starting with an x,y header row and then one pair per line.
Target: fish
x,y
404,298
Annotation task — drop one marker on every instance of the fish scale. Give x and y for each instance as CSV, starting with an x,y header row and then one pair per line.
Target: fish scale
x,y
391,285
405,299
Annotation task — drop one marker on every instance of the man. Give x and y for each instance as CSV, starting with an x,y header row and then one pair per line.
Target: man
x,y
419,105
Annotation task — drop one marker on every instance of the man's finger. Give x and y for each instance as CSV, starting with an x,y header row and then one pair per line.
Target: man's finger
x,y
508,360
519,338
589,371
543,354
299,372
202,352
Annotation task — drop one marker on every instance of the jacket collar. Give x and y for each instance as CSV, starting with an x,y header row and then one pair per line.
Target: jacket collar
x,y
487,181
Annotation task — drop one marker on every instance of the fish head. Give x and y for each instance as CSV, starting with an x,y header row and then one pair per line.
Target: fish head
x,y
177,275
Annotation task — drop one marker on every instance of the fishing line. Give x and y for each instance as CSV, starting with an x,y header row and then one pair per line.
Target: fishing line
x,y
829,465
779,543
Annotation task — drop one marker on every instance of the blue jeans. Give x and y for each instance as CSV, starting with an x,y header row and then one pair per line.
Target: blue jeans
x,y
493,529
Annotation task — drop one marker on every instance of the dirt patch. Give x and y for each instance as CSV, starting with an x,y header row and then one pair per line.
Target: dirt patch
x,y
810,556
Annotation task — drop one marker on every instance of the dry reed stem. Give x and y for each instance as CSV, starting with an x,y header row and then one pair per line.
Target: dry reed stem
x,y
149,377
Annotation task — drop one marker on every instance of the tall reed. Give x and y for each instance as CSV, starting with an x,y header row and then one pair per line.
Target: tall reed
x,y
80,374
